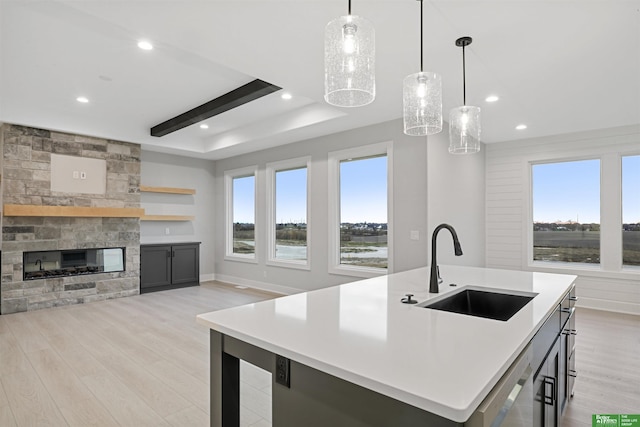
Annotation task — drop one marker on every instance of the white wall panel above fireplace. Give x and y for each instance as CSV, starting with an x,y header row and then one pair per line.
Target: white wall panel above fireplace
x,y
73,174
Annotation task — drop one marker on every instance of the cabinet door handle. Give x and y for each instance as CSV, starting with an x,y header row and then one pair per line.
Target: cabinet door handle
x,y
573,373
566,310
168,254
574,299
173,253
550,400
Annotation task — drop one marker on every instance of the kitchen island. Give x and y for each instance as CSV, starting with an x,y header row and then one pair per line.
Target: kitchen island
x,y
355,355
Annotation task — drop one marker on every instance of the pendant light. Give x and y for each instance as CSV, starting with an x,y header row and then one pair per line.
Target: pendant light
x,y
464,121
422,99
349,61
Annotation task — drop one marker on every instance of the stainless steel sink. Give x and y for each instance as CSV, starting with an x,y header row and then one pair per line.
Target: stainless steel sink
x,y
494,304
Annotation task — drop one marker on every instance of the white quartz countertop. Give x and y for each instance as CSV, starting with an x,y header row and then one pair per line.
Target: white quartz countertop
x,y
441,362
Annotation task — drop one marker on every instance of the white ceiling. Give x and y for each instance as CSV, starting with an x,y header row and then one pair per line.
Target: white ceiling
x,y
558,66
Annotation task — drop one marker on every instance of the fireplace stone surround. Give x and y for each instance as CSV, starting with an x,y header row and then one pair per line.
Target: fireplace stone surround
x,y
26,180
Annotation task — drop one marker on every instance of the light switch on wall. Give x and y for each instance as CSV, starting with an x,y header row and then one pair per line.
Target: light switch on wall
x,y
414,235
76,174
83,175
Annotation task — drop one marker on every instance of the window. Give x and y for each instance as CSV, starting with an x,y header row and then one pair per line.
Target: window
x,y
359,189
631,210
566,211
287,194
240,197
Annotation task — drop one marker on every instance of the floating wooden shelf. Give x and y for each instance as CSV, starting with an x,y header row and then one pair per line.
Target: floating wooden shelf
x,y
170,190
167,218
72,211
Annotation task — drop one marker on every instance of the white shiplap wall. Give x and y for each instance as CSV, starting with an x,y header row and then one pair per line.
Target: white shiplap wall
x,y
508,211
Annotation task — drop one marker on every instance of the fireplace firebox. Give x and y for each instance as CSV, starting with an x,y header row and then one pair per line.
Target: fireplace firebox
x,y
72,262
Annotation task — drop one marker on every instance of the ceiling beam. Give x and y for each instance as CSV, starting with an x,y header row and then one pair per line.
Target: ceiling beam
x,y
246,93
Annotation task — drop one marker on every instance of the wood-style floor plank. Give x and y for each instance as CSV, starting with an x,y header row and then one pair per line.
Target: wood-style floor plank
x,y
191,416
124,405
29,400
6,417
11,356
28,336
195,390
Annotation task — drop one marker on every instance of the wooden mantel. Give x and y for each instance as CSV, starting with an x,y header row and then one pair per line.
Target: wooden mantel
x,y
168,190
72,211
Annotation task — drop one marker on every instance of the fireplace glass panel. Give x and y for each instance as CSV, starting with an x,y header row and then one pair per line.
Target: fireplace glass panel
x,y
73,262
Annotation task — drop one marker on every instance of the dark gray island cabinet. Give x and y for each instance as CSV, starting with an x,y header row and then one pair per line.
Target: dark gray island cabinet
x,y
169,266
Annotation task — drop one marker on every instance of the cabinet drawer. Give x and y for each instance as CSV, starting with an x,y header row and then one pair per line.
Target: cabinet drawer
x,y
544,339
567,307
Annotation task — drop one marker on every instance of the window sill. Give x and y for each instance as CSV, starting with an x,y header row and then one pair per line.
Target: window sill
x,y
588,270
296,265
240,258
362,272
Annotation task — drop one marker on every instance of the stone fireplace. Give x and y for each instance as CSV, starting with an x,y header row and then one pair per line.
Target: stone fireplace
x,y
27,180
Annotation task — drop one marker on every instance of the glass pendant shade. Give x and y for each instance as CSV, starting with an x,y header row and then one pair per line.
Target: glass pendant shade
x,y
349,62
422,101
464,130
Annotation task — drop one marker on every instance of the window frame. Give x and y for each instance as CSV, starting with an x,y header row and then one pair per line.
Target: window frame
x,y
229,176
559,264
334,159
610,219
625,267
272,169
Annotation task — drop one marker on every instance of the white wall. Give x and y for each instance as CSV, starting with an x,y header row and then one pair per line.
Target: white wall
x,y
415,163
164,170
456,197
508,213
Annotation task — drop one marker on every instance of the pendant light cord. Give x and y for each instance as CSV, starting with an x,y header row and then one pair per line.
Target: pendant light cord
x,y
349,7
421,54
464,79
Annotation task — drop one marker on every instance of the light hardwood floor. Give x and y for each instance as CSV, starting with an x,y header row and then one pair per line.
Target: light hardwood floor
x,y
608,365
137,361
143,361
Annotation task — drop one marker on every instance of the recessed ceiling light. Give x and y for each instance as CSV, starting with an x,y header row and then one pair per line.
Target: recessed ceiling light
x,y
82,99
286,95
145,45
521,127
492,98
204,126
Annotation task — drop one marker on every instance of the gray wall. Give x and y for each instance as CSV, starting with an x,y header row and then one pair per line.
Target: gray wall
x,y
164,170
420,168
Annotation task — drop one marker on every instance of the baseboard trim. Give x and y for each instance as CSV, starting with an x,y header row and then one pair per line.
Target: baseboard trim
x,y
608,305
207,277
263,286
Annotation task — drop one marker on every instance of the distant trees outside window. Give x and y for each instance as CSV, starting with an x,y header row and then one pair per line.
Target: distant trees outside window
x,y
631,210
363,212
240,196
566,211
287,194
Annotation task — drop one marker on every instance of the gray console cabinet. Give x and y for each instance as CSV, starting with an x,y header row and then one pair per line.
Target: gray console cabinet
x,y
169,266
